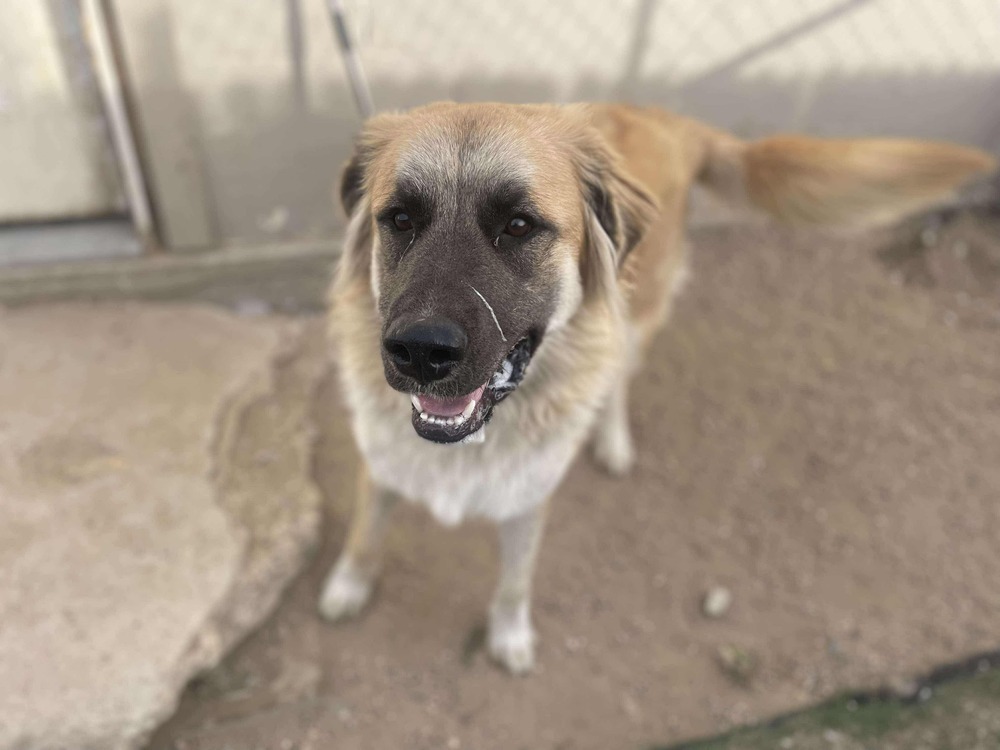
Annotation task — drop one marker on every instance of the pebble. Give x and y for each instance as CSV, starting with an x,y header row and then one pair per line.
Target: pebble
x,y
833,736
250,307
717,602
631,708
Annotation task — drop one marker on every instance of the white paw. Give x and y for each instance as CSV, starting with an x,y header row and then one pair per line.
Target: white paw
x,y
512,644
613,452
345,593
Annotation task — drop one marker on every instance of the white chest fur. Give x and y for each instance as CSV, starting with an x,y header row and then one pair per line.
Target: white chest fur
x,y
502,477
529,443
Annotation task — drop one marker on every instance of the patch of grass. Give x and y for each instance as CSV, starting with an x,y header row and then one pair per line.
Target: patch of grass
x,y
962,714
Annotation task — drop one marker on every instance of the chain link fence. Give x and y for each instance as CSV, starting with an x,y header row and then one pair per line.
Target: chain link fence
x,y
253,114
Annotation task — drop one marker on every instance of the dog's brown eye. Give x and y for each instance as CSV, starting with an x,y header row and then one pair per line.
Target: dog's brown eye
x,y
403,222
517,227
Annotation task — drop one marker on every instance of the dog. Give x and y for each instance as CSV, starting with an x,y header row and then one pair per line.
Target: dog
x,y
505,268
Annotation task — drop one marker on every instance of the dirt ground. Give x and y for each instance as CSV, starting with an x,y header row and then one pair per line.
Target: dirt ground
x,y
818,432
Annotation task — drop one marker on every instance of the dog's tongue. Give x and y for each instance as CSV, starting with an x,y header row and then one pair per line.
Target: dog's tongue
x,y
449,407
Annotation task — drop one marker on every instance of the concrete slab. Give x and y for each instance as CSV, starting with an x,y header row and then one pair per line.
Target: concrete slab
x,y
154,501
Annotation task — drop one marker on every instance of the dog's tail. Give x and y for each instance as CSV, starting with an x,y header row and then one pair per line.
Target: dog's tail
x,y
848,182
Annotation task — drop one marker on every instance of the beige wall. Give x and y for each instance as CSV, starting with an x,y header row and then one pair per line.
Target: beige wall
x,y
247,117
55,160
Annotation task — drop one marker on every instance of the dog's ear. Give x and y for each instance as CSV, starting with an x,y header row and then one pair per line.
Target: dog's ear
x,y
352,179
617,213
353,193
622,207
355,258
374,137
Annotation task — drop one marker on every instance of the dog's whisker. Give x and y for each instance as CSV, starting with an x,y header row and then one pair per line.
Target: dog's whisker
x,y
410,244
490,308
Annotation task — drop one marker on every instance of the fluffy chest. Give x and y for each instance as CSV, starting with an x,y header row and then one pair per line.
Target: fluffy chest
x,y
501,477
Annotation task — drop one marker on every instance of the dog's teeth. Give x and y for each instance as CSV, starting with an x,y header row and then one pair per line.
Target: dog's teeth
x,y
451,420
467,411
423,416
416,403
460,419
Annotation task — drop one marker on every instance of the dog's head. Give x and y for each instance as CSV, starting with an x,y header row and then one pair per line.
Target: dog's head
x,y
480,228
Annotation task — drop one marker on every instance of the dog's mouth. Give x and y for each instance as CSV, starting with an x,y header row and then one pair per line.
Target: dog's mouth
x,y
461,419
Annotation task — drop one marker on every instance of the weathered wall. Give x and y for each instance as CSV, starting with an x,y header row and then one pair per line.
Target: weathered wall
x,y
247,117
55,160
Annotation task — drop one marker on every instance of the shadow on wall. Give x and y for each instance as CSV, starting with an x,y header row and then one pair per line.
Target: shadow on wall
x,y
272,177
275,176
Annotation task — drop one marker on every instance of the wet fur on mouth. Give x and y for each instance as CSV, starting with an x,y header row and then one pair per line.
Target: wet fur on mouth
x,y
502,383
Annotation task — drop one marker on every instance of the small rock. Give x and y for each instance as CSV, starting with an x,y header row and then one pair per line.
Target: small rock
x,y
631,708
574,644
717,602
903,688
833,736
275,220
250,307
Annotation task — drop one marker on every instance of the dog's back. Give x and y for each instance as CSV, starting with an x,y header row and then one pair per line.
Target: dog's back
x,y
795,179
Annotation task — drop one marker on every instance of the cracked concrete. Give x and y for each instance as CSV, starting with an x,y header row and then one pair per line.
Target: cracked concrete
x,y
154,500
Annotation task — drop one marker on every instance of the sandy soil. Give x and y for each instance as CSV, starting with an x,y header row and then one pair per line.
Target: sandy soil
x,y
818,429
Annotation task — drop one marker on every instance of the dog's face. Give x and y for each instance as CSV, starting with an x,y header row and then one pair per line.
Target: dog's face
x,y
481,228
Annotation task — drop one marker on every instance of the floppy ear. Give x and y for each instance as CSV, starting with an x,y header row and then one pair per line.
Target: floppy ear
x,y
352,182
355,259
617,212
353,192
622,207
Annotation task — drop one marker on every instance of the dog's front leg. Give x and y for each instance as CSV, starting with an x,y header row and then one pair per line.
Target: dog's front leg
x,y
511,637
350,584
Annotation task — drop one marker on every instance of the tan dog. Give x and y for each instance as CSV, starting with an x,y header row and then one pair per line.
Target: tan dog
x,y
528,254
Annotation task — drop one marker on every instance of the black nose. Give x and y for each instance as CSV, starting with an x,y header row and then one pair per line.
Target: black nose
x,y
427,350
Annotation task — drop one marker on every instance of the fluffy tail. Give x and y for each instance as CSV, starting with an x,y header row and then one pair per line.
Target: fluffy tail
x,y
848,182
